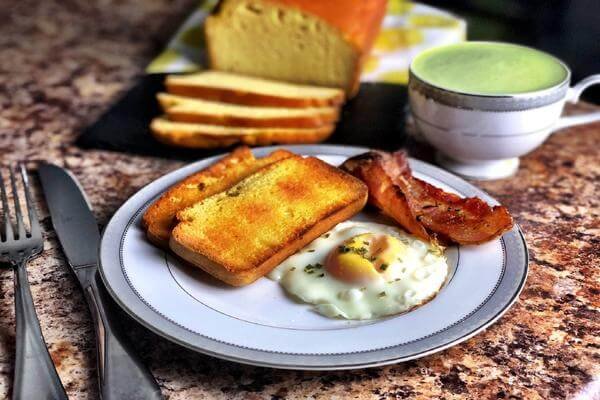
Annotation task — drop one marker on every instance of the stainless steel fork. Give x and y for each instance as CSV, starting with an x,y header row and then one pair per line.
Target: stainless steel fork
x,y
35,375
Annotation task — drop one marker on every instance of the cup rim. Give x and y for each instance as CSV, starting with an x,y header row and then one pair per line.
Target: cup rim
x,y
526,95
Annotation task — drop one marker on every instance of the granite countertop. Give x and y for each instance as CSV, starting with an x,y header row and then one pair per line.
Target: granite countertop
x,y
62,63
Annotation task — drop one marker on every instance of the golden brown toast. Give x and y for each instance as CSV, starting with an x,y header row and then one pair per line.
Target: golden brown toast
x,y
241,234
159,218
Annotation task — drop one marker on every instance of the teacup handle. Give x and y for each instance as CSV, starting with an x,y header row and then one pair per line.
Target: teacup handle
x,y
573,97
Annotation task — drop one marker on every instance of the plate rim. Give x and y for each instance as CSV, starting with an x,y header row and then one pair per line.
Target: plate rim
x,y
154,321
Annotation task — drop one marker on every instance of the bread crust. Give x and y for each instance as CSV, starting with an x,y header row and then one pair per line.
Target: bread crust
x,y
184,109
226,95
197,116
197,142
259,137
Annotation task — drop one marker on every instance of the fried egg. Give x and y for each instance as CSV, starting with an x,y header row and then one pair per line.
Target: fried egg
x,y
363,270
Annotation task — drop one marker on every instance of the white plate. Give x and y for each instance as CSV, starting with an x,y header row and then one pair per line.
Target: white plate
x,y
258,324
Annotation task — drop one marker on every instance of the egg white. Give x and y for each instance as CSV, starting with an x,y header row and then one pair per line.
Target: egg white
x,y
411,280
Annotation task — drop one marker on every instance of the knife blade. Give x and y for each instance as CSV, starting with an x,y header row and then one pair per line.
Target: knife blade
x,y
121,374
71,215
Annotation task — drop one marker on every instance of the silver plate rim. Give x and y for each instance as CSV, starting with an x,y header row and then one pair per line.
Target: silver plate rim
x,y
124,295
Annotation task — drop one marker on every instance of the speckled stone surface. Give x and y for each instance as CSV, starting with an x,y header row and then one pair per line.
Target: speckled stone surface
x,y
61,65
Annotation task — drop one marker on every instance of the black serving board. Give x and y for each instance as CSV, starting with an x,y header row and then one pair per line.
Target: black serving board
x,y
374,118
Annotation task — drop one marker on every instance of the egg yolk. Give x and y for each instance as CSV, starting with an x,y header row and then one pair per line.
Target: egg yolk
x,y
364,258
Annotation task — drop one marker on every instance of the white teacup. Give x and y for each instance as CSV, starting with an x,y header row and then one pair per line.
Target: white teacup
x,y
483,136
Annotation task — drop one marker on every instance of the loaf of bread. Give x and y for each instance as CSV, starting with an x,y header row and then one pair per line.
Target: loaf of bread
x,y
242,233
317,42
205,136
185,109
238,89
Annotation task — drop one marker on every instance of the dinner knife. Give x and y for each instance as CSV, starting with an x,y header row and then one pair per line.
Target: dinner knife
x,y
121,374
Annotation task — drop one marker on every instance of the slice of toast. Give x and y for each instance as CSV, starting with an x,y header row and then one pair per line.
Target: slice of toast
x,y
186,109
238,89
204,136
159,218
241,234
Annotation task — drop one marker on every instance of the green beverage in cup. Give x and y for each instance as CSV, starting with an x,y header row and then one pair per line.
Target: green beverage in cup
x,y
484,104
487,68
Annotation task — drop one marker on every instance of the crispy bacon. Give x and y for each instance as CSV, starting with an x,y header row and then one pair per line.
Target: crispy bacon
x,y
423,209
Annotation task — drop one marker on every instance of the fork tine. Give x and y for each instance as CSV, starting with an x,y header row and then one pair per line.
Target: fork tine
x,y
34,221
19,216
8,230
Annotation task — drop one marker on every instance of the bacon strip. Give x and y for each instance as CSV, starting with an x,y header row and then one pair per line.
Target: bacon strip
x,y
423,209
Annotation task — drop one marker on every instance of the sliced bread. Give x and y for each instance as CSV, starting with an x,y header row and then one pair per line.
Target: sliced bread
x,y
211,136
159,218
241,234
185,109
238,89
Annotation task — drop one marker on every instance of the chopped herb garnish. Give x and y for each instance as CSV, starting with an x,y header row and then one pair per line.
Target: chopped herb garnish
x,y
362,289
201,186
310,250
326,235
362,251
310,268
293,269
365,243
382,294
343,249
322,275
383,267
396,280
399,259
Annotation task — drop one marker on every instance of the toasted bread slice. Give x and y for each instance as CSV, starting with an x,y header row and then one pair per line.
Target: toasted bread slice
x,y
241,234
204,136
159,218
186,109
238,89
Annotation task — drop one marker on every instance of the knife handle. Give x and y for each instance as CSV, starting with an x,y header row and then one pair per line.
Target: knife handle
x,y
121,374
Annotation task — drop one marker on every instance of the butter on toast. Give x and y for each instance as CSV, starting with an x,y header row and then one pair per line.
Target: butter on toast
x,y
242,233
159,218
